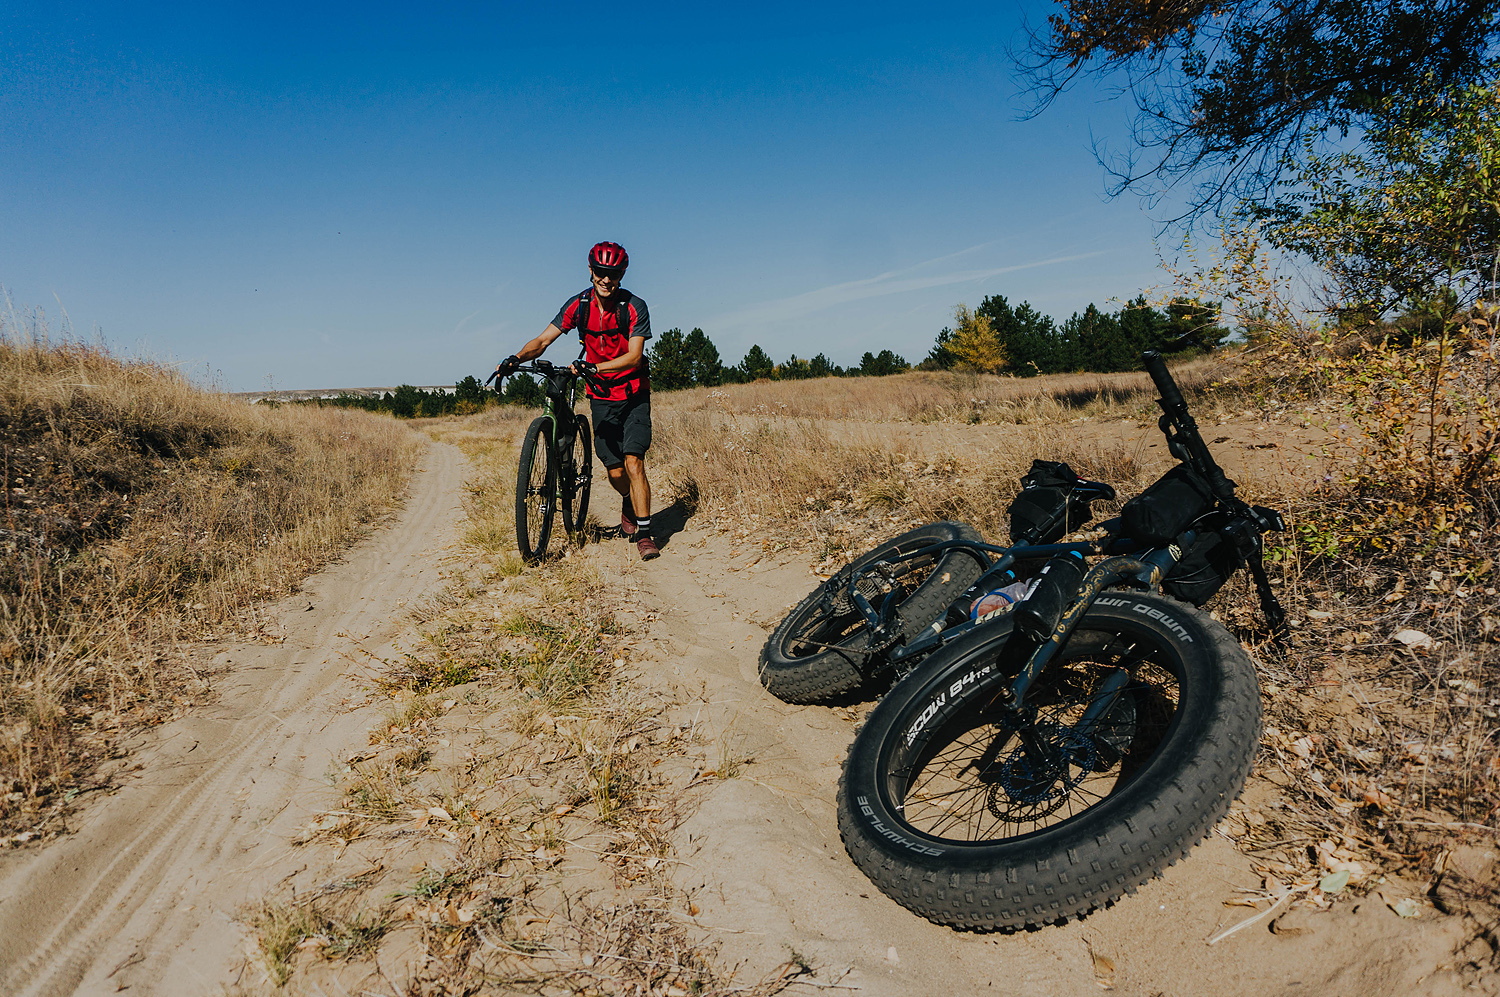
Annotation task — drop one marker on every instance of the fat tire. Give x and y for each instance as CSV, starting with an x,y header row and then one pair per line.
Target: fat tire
x,y
581,460
818,676
536,445
1109,848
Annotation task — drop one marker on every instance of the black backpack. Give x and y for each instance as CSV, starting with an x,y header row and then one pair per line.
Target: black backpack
x,y
622,311
1054,501
622,323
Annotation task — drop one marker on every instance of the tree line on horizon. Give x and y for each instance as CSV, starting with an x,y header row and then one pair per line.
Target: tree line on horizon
x,y
692,360
994,338
1019,341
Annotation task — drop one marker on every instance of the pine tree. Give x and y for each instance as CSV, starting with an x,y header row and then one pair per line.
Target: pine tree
x,y
795,369
1198,319
708,372
671,368
882,364
470,391
757,364
940,357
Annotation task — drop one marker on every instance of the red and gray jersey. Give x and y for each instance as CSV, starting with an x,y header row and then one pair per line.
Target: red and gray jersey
x,y
606,334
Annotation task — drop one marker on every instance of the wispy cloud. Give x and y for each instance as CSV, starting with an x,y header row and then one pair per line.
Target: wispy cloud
x,y
893,282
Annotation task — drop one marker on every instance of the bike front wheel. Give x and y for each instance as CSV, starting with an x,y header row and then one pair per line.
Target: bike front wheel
x,y
536,491
581,461
1132,743
822,647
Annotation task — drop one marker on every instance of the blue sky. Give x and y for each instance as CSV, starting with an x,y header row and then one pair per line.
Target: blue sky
x,y
383,193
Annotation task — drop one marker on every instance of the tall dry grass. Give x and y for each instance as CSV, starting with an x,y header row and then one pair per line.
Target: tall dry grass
x,y
140,512
936,396
795,482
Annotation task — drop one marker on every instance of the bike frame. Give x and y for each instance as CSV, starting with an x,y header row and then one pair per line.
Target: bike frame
x,y
1125,562
561,390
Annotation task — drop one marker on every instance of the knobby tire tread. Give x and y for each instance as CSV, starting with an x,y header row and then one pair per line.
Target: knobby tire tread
x,y
583,455
819,677
1040,882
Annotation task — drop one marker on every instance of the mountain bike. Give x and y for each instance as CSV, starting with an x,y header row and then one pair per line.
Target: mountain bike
x,y
557,462
1043,758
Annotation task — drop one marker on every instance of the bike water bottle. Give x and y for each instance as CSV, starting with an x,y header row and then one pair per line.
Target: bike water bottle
x,y
1055,588
1000,599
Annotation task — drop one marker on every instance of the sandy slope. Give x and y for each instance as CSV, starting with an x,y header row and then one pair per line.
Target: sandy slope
x,y
770,873
143,895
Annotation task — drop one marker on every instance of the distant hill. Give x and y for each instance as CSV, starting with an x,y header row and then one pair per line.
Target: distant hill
x,y
310,393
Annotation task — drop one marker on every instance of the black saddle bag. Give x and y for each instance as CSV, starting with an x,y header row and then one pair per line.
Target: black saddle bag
x,y
1051,504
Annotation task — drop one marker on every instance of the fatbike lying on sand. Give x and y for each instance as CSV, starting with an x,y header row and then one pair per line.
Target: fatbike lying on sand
x,y
1066,722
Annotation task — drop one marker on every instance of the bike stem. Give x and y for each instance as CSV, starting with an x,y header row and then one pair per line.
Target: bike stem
x,y
1144,572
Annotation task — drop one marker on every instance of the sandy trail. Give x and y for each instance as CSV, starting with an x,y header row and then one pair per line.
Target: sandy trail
x,y
767,868
143,895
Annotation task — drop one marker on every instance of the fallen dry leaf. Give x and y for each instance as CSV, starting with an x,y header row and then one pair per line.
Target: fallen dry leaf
x,y
1413,638
456,915
1104,968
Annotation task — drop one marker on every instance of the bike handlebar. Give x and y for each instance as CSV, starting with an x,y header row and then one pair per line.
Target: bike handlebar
x,y
1187,445
548,369
1182,431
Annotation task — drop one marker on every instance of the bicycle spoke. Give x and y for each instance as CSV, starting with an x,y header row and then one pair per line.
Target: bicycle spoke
x,y
983,781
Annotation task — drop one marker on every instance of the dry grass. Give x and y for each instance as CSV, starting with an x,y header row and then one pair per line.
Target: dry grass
x,y
141,512
791,482
935,396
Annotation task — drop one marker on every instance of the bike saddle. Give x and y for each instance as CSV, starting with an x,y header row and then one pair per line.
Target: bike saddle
x,y
1088,491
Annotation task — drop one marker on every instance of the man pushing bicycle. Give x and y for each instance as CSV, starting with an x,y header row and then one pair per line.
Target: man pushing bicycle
x,y
613,325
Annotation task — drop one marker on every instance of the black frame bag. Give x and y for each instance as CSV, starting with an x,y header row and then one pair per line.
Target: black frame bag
x,y
1048,506
1206,565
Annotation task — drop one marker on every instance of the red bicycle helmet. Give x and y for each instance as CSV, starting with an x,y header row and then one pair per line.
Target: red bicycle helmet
x,y
609,258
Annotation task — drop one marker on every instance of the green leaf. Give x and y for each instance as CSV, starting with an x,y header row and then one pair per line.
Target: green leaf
x,y
1334,882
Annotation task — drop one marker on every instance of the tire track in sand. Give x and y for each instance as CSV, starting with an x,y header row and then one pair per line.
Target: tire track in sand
x,y
145,892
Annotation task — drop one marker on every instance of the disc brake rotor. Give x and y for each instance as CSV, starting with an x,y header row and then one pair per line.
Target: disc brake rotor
x,y
1028,787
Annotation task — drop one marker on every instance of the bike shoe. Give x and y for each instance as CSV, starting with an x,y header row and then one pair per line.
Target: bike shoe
x,y
627,520
647,548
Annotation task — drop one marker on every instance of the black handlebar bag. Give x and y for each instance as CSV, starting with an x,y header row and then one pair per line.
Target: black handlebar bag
x,y
1176,502
1173,503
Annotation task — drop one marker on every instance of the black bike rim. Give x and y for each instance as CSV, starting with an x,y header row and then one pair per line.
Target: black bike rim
x,y
538,498
823,626
578,501
972,780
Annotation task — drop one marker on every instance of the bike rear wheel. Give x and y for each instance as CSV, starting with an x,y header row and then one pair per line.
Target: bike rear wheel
x,y
581,461
976,816
536,491
822,648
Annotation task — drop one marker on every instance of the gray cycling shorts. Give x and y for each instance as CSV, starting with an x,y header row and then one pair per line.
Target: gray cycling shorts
x,y
621,429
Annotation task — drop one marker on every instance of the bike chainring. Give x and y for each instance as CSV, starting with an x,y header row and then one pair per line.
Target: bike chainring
x,y
886,637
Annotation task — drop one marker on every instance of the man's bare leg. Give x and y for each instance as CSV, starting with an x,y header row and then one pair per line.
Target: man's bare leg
x,y
639,488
